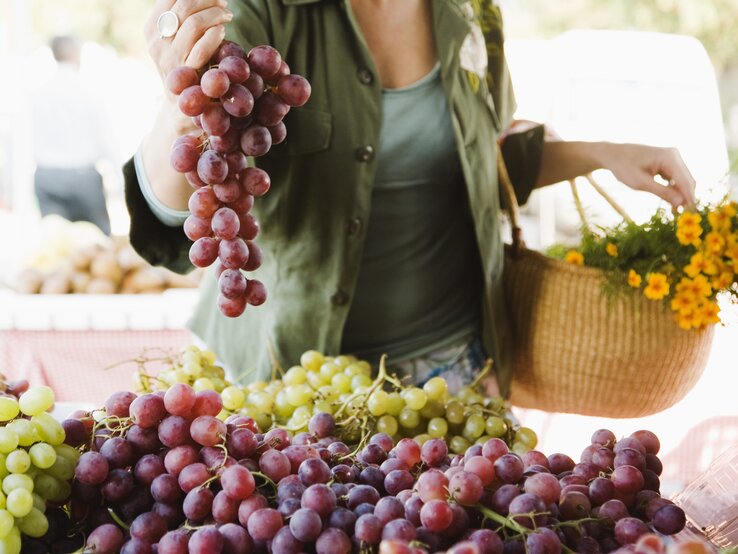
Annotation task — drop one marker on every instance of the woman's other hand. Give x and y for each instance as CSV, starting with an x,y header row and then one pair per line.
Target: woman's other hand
x,y
637,165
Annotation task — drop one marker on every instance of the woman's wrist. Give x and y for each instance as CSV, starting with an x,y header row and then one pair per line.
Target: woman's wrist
x,y
168,186
602,154
564,160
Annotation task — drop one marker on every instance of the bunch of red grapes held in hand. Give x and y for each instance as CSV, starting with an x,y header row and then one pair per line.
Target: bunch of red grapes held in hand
x,y
238,103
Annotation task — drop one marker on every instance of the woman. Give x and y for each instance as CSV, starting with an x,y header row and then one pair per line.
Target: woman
x,y
381,231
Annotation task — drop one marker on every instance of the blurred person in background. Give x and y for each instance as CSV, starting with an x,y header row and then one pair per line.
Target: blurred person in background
x,y
69,139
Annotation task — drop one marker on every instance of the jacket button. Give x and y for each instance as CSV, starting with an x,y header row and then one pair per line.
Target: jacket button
x,y
353,226
365,77
365,153
339,298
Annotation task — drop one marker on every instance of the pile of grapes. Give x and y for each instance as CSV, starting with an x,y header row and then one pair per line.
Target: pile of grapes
x,y
238,102
162,469
36,469
343,386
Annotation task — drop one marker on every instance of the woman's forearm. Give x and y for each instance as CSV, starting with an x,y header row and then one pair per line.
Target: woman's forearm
x,y
169,186
561,160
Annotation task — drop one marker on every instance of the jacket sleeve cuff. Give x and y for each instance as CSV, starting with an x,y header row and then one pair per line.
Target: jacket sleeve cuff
x,y
168,216
158,243
522,154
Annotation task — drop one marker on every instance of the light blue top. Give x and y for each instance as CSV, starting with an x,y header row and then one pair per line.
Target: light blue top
x,y
419,285
165,214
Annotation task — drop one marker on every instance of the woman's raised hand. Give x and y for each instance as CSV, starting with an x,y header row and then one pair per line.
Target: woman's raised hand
x,y
201,30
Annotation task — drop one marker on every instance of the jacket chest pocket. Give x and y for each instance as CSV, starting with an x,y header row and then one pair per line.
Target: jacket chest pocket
x,y
308,132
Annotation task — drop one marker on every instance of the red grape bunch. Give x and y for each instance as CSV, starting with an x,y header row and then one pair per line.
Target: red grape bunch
x,y
171,472
238,103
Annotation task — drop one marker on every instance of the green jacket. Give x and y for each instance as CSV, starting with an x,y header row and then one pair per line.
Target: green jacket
x,y
314,217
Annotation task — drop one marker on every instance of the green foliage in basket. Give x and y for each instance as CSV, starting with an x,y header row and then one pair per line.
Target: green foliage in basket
x,y
684,261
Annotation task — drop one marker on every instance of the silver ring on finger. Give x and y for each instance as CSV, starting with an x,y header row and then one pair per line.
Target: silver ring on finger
x,y
167,24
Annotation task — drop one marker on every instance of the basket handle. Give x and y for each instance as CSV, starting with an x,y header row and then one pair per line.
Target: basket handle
x,y
511,204
602,192
513,209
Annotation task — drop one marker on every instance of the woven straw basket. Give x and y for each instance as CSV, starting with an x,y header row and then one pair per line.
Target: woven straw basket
x,y
578,351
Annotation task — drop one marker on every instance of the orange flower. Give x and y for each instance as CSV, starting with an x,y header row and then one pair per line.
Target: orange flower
x,y
682,303
690,235
699,286
574,257
611,249
722,281
657,287
689,219
634,280
720,221
688,320
714,242
710,313
697,265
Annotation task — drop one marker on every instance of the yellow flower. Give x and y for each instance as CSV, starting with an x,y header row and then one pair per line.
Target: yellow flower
x,y
574,257
732,252
712,266
682,303
689,219
710,313
730,209
697,265
611,249
720,221
689,320
634,280
714,242
700,287
689,235
658,286
722,281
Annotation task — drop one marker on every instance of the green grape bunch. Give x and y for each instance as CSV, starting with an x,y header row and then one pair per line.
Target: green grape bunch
x,y
36,466
362,400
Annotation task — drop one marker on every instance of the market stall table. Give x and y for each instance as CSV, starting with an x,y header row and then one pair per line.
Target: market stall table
x,y
76,343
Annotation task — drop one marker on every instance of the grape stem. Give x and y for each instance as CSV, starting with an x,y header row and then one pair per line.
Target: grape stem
x,y
223,447
577,522
276,366
510,523
267,479
506,522
362,441
486,370
208,481
117,519
381,378
143,359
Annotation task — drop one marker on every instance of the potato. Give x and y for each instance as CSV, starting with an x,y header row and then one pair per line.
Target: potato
x,y
152,290
119,242
29,281
128,258
177,281
80,281
151,277
80,258
101,285
105,266
56,283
